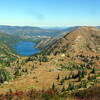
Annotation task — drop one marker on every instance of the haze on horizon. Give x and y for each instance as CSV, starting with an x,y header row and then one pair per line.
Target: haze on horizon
x,y
49,12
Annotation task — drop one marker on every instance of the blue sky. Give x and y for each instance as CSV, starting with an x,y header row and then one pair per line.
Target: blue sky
x,y
49,12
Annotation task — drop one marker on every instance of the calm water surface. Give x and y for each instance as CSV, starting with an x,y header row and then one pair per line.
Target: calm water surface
x,y
26,48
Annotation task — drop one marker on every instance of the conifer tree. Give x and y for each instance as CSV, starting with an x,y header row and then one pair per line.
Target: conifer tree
x,y
10,90
58,77
83,73
93,70
79,78
89,77
62,81
70,86
73,75
63,89
69,76
53,86
85,85
66,77
79,73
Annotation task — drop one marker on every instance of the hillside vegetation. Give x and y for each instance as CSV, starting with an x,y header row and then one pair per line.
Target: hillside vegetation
x,y
68,69
80,39
7,53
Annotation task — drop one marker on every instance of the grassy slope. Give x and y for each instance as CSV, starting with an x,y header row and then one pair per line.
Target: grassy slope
x,y
9,40
7,53
44,74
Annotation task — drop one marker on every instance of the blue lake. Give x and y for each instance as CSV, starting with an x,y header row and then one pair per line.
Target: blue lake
x,y
26,48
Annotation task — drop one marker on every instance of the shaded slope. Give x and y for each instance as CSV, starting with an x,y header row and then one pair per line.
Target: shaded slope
x,y
7,53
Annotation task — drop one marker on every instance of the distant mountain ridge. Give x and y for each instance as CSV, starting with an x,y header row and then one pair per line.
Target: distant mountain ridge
x,y
35,32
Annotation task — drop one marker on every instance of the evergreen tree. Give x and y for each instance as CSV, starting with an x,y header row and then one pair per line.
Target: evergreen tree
x,y
10,90
89,77
70,86
79,78
53,86
16,72
66,77
93,70
32,68
1,79
4,75
22,70
80,85
95,76
83,73
62,81
79,73
73,76
63,89
85,85
58,77
26,70
40,60
69,76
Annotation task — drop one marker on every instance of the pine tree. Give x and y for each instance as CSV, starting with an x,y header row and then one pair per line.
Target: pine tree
x,y
83,73
62,81
70,86
32,68
40,60
79,78
69,76
53,86
85,85
66,77
1,79
73,75
22,70
10,90
4,75
58,77
63,89
26,70
95,76
16,72
93,70
89,77
79,73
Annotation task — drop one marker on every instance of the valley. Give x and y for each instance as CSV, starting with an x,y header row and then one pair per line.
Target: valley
x,y
66,64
